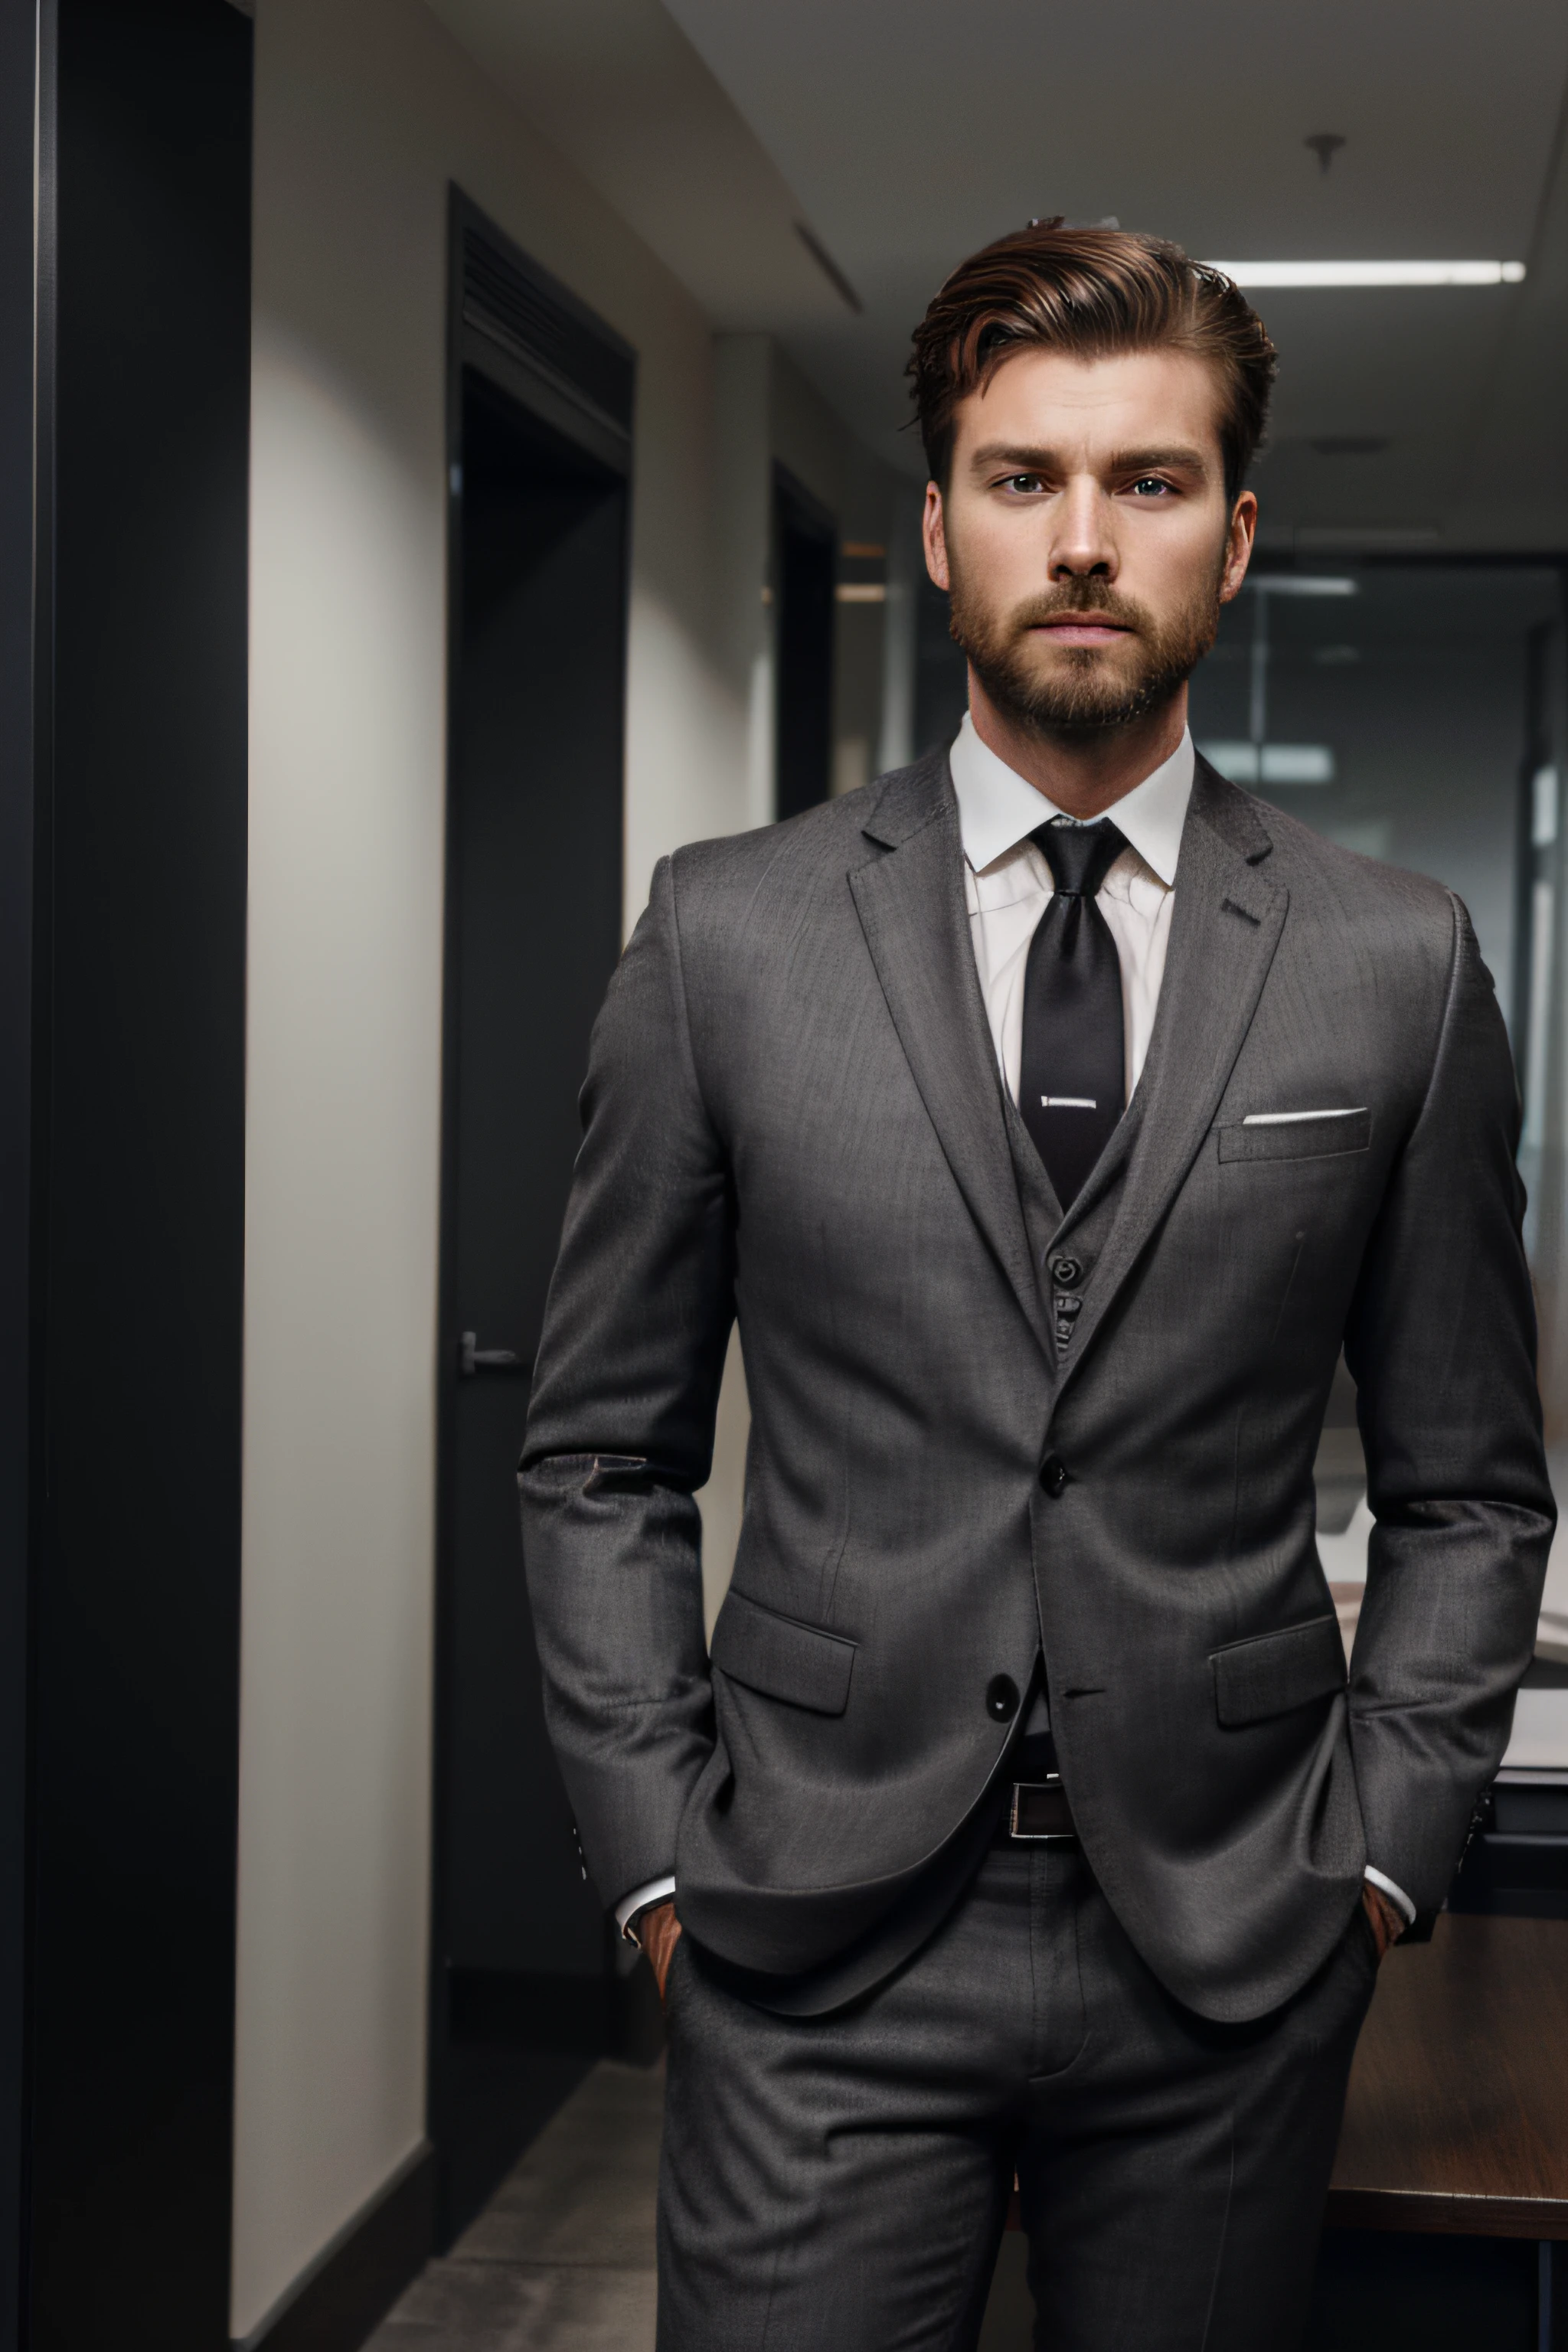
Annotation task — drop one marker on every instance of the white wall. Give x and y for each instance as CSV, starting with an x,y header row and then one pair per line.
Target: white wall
x,y
365,110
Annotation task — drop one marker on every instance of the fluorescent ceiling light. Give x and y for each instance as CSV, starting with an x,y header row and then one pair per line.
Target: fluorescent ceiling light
x,y
1281,763
1299,583
1371,273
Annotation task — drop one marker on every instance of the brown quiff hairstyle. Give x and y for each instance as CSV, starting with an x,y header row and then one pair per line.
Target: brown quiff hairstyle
x,y
1090,292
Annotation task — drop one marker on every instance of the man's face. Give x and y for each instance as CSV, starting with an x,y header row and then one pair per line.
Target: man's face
x,y
1085,535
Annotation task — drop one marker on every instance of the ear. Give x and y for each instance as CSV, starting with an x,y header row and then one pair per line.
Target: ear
x,y
933,531
1239,546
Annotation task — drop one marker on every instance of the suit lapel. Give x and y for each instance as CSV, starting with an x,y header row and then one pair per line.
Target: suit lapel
x,y
911,908
1226,923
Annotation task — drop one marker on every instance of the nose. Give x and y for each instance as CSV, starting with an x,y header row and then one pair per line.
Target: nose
x,y
1082,547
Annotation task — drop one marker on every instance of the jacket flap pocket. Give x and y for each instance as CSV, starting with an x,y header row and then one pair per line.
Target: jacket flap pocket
x,y
1297,1135
1272,1672
782,1657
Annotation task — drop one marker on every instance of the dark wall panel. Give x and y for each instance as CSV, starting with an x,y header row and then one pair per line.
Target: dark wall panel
x,y
137,1577
20,348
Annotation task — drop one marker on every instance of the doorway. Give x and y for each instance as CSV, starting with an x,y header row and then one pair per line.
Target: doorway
x,y
526,1982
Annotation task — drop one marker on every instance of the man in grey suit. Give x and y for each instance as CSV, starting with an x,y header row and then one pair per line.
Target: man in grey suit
x,y
1024,1818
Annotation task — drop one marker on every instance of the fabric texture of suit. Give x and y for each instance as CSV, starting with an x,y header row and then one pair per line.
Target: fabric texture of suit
x,y
794,1114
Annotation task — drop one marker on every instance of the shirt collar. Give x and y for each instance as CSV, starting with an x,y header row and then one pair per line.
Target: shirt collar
x,y
997,808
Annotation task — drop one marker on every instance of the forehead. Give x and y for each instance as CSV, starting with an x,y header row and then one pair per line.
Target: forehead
x,y
1129,400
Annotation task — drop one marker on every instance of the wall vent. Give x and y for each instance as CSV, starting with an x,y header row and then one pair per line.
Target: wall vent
x,y
540,326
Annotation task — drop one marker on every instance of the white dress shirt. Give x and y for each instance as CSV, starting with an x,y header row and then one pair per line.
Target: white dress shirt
x,y
1007,883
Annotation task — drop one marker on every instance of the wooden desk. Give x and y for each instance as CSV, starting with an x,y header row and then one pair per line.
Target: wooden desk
x,y
1457,2114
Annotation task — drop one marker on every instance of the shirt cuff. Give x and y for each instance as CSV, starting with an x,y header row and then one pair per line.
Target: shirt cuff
x,y
660,1890
1396,1895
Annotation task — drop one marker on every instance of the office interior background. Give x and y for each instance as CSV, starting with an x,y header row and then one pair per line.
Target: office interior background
x,y
451,453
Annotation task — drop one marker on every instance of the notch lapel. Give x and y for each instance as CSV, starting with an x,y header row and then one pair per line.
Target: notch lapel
x,y
909,900
1225,928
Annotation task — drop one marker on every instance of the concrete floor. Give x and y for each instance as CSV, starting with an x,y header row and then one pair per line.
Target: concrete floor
x,y
561,2258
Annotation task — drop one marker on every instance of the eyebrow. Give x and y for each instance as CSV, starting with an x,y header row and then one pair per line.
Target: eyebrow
x,y
1174,460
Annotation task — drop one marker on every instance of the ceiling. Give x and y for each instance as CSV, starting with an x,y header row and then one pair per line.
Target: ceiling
x,y
618,88
905,133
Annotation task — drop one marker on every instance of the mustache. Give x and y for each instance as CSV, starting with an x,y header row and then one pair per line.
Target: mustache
x,y
1081,599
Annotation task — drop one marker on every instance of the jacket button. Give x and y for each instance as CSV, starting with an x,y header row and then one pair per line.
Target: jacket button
x,y
1002,1698
1068,1271
1053,1475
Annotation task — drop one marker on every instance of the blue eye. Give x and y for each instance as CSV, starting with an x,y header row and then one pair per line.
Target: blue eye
x,y
1150,482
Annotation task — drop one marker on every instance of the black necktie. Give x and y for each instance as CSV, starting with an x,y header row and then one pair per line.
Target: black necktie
x,y
1072,1070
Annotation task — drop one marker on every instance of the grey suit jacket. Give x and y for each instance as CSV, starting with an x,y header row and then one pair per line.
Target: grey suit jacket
x,y
793,1115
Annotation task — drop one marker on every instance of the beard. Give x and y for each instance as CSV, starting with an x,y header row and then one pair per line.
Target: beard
x,y
1082,690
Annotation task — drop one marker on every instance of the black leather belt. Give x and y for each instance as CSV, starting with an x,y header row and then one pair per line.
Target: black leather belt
x,y
1037,1811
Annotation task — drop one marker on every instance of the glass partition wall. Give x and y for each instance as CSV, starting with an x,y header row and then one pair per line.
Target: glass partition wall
x,y
1390,708
1414,712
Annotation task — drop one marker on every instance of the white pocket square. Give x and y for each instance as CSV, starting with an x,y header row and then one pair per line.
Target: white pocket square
x,y
1294,1118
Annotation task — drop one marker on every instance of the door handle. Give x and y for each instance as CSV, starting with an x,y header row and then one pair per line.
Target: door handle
x,y
472,1358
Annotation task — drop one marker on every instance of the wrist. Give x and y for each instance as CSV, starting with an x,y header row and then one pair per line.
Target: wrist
x,y
635,1925
638,1900
1393,1892
658,1934
1387,1920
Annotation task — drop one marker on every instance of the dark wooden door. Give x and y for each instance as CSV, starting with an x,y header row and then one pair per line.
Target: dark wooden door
x,y
525,1969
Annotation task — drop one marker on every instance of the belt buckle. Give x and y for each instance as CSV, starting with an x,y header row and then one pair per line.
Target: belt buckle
x,y
1051,1786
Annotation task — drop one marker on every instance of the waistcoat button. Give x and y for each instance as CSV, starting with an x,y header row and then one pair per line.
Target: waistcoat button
x,y
1053,1475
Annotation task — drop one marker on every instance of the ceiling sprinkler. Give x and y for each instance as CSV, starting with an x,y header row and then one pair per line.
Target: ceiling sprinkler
x,y
1325,146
